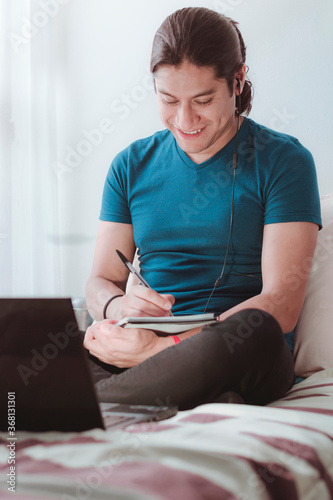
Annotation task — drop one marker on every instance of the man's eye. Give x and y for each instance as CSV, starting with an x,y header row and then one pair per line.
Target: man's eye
x,y
204,103
168,102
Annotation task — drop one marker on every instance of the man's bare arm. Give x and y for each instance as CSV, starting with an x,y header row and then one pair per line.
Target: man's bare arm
x,y
109,276
287,254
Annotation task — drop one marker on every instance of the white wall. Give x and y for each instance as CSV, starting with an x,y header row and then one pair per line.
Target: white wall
x,y
102,58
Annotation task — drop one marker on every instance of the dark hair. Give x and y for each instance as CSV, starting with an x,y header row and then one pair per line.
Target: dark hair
x,y
203,37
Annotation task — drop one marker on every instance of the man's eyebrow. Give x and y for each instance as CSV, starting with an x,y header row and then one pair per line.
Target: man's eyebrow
x,y
202,94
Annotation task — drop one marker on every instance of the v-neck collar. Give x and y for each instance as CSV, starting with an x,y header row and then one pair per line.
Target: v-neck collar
x,y
228,149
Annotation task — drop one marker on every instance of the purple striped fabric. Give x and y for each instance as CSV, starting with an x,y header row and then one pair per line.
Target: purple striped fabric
x,y
322,411
316,395
277,480
299,450
307,387
146,477
215,452
73,440
304,427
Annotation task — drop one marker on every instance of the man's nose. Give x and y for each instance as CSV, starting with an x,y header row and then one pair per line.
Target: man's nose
x,y
186,118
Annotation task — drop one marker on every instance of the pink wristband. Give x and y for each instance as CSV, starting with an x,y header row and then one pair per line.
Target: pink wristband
x,y
176,339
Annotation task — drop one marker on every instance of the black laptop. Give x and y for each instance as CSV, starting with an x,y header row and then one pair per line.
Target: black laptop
x,y
45,381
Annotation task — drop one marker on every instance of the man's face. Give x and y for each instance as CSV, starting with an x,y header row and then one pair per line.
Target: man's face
x,y
197,108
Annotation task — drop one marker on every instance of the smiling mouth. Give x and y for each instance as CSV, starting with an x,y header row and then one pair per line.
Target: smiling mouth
x,y
191,133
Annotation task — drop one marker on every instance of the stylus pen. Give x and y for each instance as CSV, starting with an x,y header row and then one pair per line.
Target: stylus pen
x,y
132,270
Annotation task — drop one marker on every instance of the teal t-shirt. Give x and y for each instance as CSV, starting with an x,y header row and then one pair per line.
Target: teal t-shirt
x,y
180,211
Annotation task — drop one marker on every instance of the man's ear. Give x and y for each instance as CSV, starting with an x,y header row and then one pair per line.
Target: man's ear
x,y
240,76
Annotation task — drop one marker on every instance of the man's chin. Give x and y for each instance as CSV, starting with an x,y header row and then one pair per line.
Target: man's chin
x,y
190,149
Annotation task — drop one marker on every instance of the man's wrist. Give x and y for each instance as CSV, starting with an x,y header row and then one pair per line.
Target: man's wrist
x,y
107,309
164,342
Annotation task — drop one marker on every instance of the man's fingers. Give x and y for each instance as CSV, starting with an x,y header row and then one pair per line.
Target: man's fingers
x,y
146,302
170,298
150,296
141,308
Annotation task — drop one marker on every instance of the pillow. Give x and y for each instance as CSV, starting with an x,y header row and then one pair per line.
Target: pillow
x,y
314,332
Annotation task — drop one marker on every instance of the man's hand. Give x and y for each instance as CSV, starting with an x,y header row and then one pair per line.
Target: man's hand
x,y
123,347
140,301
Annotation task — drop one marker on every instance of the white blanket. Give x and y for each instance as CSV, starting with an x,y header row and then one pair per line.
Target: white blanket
x,y
215,452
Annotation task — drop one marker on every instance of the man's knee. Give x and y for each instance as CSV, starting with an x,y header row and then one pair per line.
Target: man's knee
x,y
249,329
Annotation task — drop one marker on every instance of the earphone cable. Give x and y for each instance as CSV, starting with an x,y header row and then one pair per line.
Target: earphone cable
x,y
228,244
235,159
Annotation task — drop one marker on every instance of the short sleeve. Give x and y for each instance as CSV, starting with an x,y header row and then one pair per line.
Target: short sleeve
x,y
291,192
115,206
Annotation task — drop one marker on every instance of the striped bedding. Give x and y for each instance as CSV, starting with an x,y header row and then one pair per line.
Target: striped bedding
x,y
216,451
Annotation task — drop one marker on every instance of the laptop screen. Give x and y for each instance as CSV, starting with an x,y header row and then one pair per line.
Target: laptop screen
x,y
43,367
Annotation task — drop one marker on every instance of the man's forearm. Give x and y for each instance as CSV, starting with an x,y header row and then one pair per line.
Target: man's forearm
x,y
279,304
98,291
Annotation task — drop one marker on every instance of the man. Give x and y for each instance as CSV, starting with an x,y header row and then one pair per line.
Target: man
x,y
213,191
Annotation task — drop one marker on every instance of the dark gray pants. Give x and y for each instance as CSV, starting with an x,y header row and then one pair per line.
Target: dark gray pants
x,y
246,353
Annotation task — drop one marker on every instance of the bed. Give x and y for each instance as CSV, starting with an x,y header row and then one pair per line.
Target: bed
x,y
215,452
